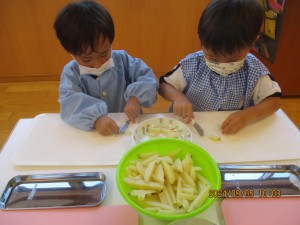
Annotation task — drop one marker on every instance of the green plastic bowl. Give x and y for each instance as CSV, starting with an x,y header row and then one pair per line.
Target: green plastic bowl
x,y
210,171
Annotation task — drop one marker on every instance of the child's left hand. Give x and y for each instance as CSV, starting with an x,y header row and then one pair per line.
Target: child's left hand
x,y
132,108
234,122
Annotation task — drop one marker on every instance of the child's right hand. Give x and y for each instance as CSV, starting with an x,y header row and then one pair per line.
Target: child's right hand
x,y
183,108
106,126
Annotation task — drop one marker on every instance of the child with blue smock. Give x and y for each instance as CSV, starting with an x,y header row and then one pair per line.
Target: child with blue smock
x,y
99,80
224,76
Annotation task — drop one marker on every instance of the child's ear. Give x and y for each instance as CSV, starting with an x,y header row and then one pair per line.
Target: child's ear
x,y
257,37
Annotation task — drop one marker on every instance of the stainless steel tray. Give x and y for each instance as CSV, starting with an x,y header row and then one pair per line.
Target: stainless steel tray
x,y
260,180
54,191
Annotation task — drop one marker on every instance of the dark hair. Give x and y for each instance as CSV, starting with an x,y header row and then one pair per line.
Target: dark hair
x,y
226,26
79,26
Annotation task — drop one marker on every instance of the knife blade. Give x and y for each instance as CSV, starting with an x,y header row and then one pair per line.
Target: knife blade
x,y
124,127
198,128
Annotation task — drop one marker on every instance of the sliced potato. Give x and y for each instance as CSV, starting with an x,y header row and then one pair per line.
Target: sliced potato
x,y
167,159
159,204
214,138
171,193
173,153
199,200
149,170
177,165
140,169
169,173
185,176
146,155
141,194
148,160
158,174
166,184
141,184
187,163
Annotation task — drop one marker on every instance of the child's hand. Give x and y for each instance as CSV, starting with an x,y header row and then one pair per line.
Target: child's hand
x,y
234,122
183,108
132,108
106,126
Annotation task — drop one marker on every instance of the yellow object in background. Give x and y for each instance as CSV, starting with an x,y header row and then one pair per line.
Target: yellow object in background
x,y
270,24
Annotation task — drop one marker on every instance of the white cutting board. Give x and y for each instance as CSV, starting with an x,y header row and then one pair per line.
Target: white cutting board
x,y
274,138
51,142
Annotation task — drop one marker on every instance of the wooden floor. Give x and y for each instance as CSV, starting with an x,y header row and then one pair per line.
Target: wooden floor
x,y
26,100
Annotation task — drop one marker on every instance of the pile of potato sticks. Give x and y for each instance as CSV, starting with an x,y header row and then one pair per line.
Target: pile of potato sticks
x,y
166,184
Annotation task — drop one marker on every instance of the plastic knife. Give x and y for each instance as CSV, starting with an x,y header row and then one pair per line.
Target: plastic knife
x,y
124,127
198,128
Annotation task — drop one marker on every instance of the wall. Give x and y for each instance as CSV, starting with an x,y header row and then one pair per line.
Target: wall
x,y
286,65
161,32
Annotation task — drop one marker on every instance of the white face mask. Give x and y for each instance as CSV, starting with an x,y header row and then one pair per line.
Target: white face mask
x,y
97,71
224,69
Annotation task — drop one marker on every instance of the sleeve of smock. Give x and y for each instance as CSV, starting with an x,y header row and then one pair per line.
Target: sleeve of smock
x,y
143,83
265,87
77,108
175,78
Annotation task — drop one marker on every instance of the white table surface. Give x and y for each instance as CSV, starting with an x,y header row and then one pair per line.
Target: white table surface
x,y
9,169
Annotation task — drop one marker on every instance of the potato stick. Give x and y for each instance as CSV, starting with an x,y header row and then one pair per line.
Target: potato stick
x,y
155,209
200,199
176,175
185,204
201,178
168,197
152,134
149,170
188,191
165,131
156,179
188,196
187,163
197,168
201,185
177,165
173,153
171,193
137,177
178,192
130,169
145,162
141,197
133,162
154,197
146,155
141,192
172,135
188,179
169,173
158,174
141,184
154,130
193,174
163,198
171,212
140,169
159,204
214,138
185,185
167,159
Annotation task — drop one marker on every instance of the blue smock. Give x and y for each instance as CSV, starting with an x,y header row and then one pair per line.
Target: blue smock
x,y
85,98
